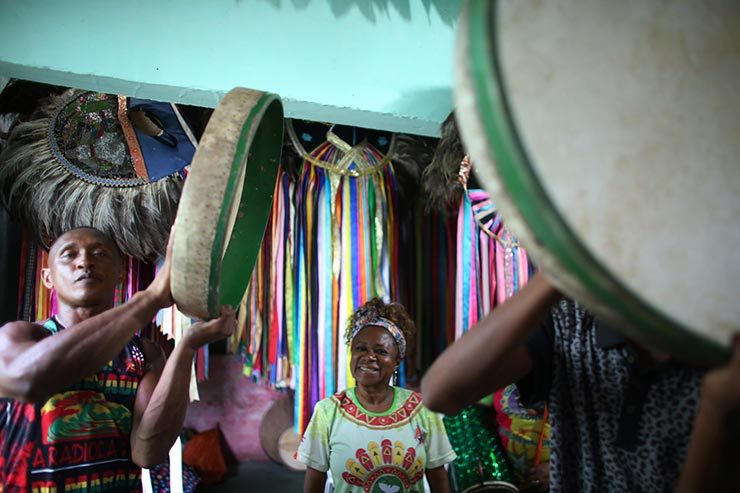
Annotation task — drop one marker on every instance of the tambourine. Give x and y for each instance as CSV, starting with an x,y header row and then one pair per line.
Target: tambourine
x,y
226,202
606,133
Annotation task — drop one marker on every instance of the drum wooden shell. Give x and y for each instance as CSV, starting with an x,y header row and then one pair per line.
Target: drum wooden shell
x,y
226,202
276,420
491,486
288,444
606,132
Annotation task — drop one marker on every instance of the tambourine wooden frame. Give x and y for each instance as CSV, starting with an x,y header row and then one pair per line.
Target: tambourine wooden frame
x,y
228,192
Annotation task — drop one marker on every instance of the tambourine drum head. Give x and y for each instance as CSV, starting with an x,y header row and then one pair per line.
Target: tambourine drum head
x,y
288,443
226,202
274,423
607,133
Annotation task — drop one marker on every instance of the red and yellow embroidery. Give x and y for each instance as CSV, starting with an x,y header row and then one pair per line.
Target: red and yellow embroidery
x,y
384,468
400,417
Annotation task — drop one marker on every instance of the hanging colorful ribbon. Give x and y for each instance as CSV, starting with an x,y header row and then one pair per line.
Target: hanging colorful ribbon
x,y
334,246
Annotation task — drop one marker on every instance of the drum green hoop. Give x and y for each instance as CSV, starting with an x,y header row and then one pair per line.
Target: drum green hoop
x,y
226,203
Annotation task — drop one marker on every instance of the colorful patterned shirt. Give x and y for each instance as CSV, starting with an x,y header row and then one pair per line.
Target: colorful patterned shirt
x,y
520,429
375,452
79,439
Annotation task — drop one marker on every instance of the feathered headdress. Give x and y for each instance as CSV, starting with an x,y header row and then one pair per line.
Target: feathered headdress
x,y
441,180
96,160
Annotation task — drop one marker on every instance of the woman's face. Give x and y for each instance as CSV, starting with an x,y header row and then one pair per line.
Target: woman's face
x,y
374,356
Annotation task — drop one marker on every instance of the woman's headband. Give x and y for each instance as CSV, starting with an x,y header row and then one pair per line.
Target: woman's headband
x,y
369,317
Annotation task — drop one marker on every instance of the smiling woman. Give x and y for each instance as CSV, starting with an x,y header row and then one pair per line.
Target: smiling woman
x,y
376,436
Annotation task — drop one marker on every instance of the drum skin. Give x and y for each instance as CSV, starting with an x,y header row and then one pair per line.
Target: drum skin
x,y
226,202
605,133
288,444
276,420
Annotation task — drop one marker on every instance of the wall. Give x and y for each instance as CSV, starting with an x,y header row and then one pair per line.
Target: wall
x,y
370,63
236,404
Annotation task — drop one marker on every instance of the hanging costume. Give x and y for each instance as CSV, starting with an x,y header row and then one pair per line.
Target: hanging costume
x,y
332,243
375,452
489,268
78,439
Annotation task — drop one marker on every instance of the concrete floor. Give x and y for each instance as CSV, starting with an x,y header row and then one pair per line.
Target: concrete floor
x,y
259,477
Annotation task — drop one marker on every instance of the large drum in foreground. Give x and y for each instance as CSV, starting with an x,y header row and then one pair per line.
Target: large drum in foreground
x,y
607,133
226,202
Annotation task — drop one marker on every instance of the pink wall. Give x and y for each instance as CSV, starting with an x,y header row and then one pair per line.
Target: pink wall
x,y
236,403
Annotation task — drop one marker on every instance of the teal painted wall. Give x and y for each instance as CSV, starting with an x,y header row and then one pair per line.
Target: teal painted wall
x,y
371,63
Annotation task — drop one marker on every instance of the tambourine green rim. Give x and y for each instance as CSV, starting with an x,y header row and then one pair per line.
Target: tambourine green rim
x,y
261,147
519,178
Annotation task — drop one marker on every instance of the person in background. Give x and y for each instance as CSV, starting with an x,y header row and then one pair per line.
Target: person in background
x,y
621,413
525,438
376,436
84,402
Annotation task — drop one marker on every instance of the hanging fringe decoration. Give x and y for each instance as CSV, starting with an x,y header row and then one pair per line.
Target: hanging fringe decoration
x,y
430,266
43,295
332,244
468,264
27,278
487,264
342,262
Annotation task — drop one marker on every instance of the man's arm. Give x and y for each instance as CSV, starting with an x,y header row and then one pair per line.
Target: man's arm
x,y
315,481
713,455
162,400
492,354
34,365
438,480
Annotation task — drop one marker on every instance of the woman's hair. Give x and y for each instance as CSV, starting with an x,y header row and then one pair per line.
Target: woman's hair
x,y
394,312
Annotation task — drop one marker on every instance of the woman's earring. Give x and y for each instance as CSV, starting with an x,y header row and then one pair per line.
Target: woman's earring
x,y
395,377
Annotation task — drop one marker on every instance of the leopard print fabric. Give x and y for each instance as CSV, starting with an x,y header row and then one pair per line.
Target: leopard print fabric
x,y
588,404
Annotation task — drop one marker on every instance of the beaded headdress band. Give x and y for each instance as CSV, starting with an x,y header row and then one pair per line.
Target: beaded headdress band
x,y
369,317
